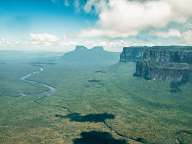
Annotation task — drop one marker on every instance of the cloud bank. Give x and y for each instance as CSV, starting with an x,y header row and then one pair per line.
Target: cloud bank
x,y
120,23
128,17
43,38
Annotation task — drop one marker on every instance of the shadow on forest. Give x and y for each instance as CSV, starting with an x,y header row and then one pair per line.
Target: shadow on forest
x,y
87,118
94,81
97,137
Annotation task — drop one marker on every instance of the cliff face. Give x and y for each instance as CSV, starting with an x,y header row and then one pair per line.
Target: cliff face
x,y
177,54
168,54
131,54
165,63
172,63
156,71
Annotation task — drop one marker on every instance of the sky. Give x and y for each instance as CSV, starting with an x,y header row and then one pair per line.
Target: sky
x,y
60,25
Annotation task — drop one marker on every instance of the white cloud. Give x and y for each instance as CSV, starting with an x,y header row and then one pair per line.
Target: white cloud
x,y
169,33
104,33
10,44
99,5
43,38
184,36
181,8
125,17
4,41
188,37
130,16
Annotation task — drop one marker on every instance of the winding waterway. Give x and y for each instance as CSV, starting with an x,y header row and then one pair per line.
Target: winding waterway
x,y
26,78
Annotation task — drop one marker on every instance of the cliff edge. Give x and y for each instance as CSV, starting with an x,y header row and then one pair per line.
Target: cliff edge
x,y
173,63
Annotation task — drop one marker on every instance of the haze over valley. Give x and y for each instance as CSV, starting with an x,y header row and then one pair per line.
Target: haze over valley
x,y
95,72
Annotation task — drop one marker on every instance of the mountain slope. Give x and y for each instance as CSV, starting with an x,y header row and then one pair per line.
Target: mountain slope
x,y
95,56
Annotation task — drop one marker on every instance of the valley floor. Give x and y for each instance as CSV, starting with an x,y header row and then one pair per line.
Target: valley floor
x,y
91,105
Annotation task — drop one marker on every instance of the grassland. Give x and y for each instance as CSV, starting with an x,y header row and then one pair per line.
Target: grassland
x,y
91,105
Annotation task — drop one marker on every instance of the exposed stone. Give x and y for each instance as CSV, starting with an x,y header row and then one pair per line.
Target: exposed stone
x,y
172,63
164,71
164,54
131,54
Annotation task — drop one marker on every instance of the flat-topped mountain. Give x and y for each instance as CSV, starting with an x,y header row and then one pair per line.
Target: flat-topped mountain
x,y
157,53
172,63
131,54
94,56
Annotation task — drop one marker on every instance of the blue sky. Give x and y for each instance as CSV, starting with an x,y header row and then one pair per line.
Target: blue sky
x,y
59,25
42,16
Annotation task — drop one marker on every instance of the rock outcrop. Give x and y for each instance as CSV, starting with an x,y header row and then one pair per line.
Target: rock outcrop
x,y
176,54
131,54
162,71
172,63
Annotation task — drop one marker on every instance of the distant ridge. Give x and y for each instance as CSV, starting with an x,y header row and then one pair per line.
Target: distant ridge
x,y
94,56
96,48
79,48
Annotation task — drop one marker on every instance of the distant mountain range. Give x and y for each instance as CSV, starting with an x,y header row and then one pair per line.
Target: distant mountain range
x,y
94,56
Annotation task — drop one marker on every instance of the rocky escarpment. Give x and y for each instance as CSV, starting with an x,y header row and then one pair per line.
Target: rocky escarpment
x,y
172,63
162,71
131,54
163,54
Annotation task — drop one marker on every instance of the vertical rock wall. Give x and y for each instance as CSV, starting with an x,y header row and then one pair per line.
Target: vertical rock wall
x,y
172,63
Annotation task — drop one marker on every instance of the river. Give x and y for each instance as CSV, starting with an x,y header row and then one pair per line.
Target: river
x,y
26,78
